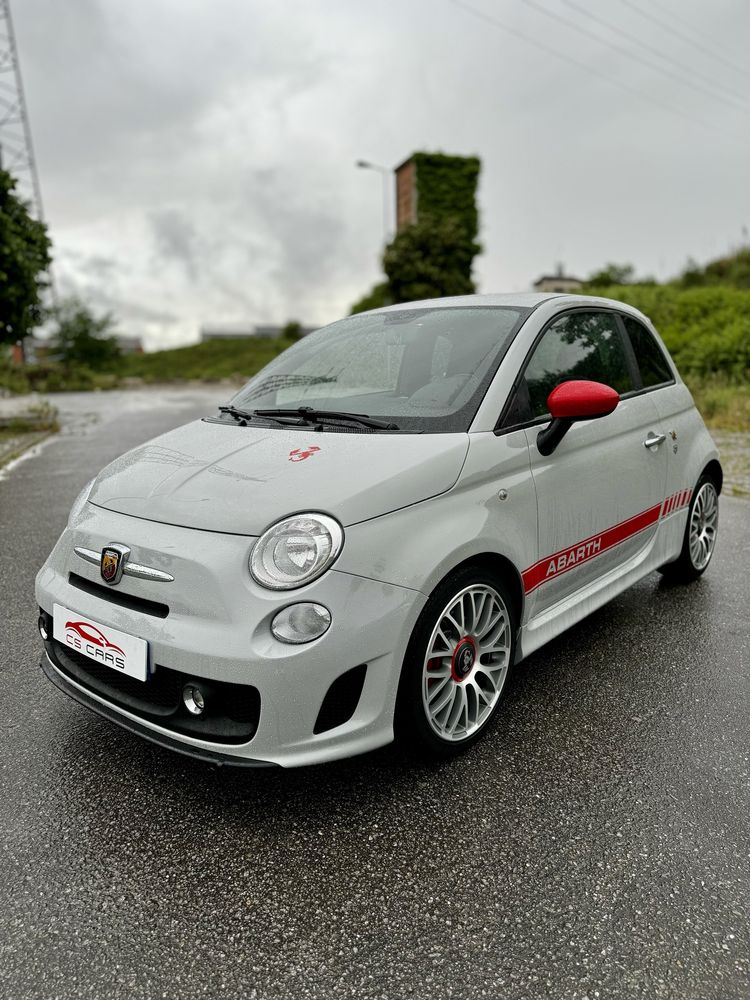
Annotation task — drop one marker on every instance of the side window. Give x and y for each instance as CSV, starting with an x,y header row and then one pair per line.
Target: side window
x,y
648,354
578,345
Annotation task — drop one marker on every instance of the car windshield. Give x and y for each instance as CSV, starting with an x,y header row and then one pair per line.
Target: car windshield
x,y
424,370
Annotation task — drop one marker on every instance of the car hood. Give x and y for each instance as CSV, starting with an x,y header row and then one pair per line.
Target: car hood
x,y
220,477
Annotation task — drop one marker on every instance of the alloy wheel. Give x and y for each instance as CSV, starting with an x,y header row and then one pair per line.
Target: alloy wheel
x,y
467,662
704,518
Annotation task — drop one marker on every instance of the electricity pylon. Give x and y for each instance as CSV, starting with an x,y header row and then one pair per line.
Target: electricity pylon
x,y
16,148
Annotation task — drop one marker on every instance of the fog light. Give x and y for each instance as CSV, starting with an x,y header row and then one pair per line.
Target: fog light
x,y
43,628
194,699
301,623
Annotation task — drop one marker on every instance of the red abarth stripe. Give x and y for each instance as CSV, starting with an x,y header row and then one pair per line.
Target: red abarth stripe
x,y
560,562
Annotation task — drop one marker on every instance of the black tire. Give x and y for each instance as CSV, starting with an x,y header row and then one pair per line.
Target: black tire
x,y
413,728
688,566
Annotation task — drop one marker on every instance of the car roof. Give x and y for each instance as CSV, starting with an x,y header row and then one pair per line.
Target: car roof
x,y
527,300
524,300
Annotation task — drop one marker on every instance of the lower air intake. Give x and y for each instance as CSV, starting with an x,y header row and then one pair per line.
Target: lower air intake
x,y
341,700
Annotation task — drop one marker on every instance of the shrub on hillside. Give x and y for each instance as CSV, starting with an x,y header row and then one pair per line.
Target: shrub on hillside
x,y
707,330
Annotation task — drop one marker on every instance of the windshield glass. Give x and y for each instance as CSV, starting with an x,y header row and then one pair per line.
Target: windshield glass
x,y
422,369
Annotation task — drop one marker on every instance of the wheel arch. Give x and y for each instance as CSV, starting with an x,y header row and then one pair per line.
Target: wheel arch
x,y
715,472
495,563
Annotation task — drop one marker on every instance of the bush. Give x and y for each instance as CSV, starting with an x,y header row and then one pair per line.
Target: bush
x,y
80,337
707,330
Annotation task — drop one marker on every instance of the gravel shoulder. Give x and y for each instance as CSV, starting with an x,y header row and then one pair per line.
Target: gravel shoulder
x,y
734,450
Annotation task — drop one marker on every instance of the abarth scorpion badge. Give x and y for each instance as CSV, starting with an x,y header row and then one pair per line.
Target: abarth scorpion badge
x,y
113,562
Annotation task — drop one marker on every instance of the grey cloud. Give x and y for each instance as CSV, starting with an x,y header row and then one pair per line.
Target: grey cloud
x,y
197,159
175,238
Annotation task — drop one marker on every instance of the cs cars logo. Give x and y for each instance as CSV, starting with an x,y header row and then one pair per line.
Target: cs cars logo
x,y
88,639
300,454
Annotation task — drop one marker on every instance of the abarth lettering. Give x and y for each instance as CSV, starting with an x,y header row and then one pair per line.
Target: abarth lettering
x,y
573,556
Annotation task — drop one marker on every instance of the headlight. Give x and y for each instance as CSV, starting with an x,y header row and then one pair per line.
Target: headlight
x,y
79,502
295,551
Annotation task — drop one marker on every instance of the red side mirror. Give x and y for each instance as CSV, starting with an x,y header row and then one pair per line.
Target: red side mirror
x,y
581,400
570,401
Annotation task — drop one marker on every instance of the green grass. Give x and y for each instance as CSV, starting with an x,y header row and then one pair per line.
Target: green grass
x,y
20,432
724,405
215,359
41,417
212,361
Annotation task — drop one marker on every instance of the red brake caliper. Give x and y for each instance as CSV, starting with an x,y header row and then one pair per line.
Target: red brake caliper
x,y
433,664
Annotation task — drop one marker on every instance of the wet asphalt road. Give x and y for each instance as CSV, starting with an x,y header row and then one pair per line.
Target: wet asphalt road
x,y
597,844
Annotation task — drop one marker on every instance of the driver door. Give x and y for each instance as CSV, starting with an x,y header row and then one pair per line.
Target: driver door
x,y
599,493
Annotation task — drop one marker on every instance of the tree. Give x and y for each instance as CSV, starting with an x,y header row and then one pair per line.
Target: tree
x,y
377,297
429,259
733,271
292,330
612,274
24,260
79,336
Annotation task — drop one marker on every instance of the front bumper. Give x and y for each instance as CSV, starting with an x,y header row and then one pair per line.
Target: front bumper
x,y
217,629
134,725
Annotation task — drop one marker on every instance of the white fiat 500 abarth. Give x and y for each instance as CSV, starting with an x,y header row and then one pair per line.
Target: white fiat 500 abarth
x,y
379,525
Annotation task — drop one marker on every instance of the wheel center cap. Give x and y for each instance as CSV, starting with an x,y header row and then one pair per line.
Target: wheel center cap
x,y
464,657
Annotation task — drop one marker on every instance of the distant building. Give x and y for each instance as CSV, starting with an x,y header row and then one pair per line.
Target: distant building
x,y
558,282
31,350
226,331
38,350
130,345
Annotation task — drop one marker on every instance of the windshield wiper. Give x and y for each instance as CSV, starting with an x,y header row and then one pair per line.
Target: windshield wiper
x,y
325,416
245,416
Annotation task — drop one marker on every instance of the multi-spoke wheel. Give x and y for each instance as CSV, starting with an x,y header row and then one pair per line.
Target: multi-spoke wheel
x,y
700,534
704,521
457,663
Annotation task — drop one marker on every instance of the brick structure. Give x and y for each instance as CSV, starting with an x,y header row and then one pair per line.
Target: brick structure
x,y
406,193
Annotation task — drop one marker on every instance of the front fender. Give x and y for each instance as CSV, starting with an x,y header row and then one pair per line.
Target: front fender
x,y
418,546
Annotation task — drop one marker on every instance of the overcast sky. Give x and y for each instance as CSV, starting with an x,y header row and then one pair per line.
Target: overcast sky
x,y
197,158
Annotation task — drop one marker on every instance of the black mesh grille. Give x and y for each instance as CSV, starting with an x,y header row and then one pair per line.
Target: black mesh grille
x,y
232,710
160,694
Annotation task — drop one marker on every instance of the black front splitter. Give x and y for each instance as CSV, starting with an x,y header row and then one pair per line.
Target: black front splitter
x,y
197,753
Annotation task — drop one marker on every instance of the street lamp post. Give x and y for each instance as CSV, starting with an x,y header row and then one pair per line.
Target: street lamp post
x,y
386,174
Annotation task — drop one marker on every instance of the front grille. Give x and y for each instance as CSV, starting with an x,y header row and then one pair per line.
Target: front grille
x,y
120,597
161,694
232,710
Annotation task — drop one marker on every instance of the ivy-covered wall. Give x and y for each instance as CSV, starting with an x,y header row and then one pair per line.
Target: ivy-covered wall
x,y
447,188
432,256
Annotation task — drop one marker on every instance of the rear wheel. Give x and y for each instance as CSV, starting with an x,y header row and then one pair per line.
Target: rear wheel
x,y
457,664
700,534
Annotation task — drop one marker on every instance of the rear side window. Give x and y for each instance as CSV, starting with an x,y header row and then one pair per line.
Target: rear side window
x,y
648,354
579,345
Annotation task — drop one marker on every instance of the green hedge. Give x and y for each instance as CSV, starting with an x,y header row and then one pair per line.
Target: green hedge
x,y
707,330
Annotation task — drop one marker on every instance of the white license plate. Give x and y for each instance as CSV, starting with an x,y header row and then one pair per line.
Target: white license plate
x,y
127,654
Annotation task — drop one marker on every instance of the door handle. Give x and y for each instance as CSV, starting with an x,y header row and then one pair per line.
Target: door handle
x,y
654,440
